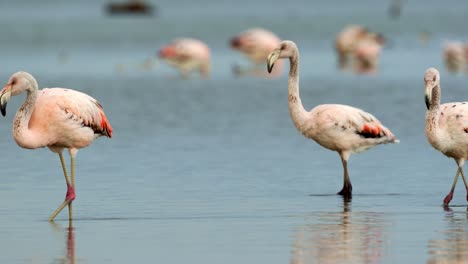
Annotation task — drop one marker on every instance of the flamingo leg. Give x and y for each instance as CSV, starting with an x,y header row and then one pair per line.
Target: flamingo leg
x,y
70,192
347,187
464,181
449,196
70,213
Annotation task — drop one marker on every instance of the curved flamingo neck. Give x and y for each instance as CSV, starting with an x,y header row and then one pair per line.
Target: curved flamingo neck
x,y
433,115
24,136
435,100
296,109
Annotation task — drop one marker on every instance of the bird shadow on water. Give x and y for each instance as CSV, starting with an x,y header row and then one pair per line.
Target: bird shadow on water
x,y
451,244
69,255
341,237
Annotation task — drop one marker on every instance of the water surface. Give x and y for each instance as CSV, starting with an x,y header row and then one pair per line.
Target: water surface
x,y
210,171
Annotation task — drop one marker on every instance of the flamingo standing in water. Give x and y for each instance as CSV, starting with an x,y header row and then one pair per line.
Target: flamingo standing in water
x,y
187,55
340,128
446,126
56,118
256,44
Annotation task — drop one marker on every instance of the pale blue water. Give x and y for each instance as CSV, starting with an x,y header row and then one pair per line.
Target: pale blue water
x,y
211,171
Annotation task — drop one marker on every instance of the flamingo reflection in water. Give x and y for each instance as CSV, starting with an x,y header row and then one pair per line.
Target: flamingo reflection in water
x,y
340,237
452,245
69,256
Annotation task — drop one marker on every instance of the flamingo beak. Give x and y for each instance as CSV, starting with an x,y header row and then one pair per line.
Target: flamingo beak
x,y
5,95
428,93
272,58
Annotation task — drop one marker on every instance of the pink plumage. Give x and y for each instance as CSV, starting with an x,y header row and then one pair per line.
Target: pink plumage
x,y
56,118
446,126
341,128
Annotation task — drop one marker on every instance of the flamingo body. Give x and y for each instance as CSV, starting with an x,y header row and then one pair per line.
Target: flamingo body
x,y
74,120
344,128
187,55
451,137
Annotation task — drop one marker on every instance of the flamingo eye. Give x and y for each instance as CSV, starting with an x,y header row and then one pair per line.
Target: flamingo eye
x,y
434,79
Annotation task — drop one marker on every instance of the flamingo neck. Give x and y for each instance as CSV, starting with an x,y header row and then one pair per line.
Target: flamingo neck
x,y
24,136
433,115
435,100
296,109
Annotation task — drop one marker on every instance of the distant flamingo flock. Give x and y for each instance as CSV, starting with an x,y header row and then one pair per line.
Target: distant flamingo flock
x,y
62,118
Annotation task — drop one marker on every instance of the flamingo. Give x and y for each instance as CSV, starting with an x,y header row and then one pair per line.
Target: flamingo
x,y
446,126
256,44
340,128
455,56
187,55
56,118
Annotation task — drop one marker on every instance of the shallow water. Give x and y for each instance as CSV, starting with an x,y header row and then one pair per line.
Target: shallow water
x,y
210,171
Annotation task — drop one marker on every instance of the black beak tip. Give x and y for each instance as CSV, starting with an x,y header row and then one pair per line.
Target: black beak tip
x,y
270,67
427,103
3,109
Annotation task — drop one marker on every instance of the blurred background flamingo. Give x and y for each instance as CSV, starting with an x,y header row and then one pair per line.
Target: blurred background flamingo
x,y
359,48
256,44
187,55
455,54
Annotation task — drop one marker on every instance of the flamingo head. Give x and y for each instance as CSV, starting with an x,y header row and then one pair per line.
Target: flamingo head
x,y
18,83
431,80
286,49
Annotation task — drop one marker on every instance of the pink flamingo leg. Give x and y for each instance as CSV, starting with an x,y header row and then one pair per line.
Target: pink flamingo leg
x,y
70,196
449,196
465,182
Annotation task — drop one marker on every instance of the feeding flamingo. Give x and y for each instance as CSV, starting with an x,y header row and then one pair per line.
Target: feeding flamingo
x,y
56,118
256,44
340,128
446,126
187,55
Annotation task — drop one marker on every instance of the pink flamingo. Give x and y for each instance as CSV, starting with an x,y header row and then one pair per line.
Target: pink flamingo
x,y
56,118
187,55
446,126
340,128
256,44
